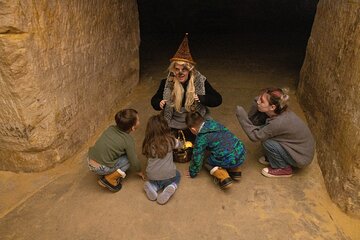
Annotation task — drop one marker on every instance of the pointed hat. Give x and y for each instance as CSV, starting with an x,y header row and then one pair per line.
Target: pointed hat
x,y
183,53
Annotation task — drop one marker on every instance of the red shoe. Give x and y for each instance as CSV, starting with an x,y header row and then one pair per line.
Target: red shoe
x,y
277,172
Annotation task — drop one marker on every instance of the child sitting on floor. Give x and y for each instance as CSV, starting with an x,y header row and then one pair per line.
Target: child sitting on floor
x,y
161,171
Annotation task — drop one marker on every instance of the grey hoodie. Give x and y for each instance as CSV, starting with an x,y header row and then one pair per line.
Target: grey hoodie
x,y
286,128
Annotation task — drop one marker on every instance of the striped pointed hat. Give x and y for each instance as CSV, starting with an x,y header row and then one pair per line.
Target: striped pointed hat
x,y
183,53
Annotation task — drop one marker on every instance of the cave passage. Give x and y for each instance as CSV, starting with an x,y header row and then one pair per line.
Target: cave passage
x,y
227,36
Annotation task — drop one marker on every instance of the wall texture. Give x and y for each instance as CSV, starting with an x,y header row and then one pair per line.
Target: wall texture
x,y
65,67
329,91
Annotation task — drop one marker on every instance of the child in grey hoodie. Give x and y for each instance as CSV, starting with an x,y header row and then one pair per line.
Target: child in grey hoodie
x,y
286,139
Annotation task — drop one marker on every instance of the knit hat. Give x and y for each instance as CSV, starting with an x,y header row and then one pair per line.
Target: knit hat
x,y
183,53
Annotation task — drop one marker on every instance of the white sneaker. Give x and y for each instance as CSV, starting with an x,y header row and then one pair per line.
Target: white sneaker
x,y
263,161
151,191
166,194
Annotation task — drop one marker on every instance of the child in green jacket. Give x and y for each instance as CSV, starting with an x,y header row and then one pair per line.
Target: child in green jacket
x,y
226,151
114,152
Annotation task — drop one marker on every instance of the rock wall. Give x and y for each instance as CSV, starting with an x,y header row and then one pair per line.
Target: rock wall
x,y
65,68
329,92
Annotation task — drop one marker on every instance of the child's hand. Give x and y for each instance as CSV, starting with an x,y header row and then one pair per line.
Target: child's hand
x,y
140,174
187,173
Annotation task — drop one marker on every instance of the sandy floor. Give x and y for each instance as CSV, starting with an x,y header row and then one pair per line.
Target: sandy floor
x,y
66,202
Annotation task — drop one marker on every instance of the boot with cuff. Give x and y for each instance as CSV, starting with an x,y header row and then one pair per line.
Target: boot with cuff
x,y
222,176
112,180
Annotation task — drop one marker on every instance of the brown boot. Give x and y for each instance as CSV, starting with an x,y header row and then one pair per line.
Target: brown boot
x,y
222,176
235,173
111,181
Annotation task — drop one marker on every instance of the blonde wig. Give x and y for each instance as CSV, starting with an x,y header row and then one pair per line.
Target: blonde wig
x,y
178,91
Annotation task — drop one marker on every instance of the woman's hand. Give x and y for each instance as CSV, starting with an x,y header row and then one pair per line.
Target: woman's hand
x,y
162,103
196,98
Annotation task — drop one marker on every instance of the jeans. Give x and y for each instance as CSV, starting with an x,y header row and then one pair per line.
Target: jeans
x,y
160,184
121,163
277,156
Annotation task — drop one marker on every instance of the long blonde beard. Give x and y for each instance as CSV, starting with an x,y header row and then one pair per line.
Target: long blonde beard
x,y
178,94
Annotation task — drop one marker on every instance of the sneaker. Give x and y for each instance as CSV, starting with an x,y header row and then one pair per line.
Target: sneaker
x,y
264,161
151,191
166,194
277,172
104,183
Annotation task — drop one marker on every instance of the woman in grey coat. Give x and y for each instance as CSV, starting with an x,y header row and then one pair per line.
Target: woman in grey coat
x,y
286,139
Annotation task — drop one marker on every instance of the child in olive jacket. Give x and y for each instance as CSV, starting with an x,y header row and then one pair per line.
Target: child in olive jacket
x,y
114,152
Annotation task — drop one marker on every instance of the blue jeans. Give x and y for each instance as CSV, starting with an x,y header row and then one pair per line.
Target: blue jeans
x,y
121,163
277,156
160,184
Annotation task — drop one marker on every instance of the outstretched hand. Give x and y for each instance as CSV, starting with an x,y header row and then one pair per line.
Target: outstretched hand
x,y
140,174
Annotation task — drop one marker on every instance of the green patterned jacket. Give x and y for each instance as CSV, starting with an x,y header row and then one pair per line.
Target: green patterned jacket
x,y
226,150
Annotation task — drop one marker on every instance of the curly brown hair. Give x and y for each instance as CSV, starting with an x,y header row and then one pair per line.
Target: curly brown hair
x,y
158,139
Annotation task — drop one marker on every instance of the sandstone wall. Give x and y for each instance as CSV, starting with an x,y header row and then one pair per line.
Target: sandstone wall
x,y
65,67
329,90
